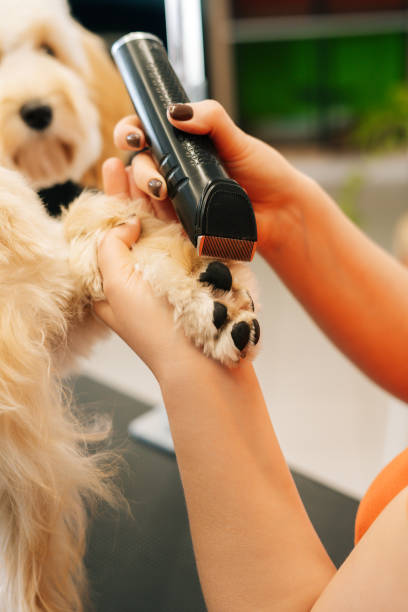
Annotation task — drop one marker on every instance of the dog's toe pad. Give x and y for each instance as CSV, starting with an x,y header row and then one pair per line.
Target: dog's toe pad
x,y
218,275
240,334
220,314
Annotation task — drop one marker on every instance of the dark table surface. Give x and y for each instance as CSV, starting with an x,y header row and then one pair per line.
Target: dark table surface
x,y
145,563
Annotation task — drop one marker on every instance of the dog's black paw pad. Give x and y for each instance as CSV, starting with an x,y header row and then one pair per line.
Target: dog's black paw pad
x,y
240,334
256,331
220,314
217,274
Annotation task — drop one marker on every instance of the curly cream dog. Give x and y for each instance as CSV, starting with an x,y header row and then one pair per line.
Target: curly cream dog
x,y
60,95
48,279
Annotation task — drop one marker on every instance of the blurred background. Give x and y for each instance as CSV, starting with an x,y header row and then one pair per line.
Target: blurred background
x,y
325,81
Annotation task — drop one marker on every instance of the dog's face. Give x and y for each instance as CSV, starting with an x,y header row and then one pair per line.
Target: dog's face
x,y
49,120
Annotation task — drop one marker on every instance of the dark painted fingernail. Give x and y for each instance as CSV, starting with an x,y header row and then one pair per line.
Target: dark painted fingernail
x,y
133,140
155,186
181,112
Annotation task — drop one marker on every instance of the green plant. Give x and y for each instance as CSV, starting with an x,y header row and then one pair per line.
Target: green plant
x,y
385,128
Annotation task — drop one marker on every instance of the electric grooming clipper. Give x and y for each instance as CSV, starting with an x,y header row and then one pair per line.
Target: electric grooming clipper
x,y
214,210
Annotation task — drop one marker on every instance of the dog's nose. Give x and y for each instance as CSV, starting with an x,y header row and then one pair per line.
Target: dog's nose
x,y
36,115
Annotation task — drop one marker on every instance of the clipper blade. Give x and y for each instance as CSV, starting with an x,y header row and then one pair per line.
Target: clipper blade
x,y
226,248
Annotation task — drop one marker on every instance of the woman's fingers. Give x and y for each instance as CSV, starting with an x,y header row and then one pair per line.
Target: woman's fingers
x,y
163,210
144,177
205,117
115,178
113,253
119,181
128,134
116,266
209,117
135,192
147,177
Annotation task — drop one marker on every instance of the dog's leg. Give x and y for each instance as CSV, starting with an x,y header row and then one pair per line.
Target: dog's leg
x,y
210,298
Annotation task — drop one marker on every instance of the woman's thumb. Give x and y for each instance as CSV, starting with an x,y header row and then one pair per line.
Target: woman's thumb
x,y
114,247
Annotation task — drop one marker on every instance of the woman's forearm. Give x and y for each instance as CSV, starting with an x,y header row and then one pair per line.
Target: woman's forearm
x,y
354,290
254,544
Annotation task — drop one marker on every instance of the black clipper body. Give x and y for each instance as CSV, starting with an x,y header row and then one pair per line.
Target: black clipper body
x,y
215,211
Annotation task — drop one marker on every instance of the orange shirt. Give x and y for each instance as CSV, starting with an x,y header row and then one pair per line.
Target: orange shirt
x,y
389,482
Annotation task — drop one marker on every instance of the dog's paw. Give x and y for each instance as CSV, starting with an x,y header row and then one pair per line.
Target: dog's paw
x,y
219,315
211,300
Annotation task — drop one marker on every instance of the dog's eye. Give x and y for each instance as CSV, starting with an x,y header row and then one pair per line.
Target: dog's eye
x,y
47,49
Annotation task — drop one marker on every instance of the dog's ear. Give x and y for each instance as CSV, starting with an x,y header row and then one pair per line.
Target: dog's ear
x,y
109,95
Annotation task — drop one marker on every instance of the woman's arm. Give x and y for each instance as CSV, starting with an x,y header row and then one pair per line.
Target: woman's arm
x,y
254,544
355,291
374,576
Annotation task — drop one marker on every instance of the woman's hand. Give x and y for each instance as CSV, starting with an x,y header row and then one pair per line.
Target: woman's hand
x,y
144,321
122,181
273,185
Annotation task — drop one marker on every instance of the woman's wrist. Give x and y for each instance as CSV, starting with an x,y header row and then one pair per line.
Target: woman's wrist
x,y
187,364
176,353
284,223
181,362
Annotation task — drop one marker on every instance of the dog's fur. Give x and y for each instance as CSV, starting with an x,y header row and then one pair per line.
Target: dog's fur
x,y
48,277
45,474
46,57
